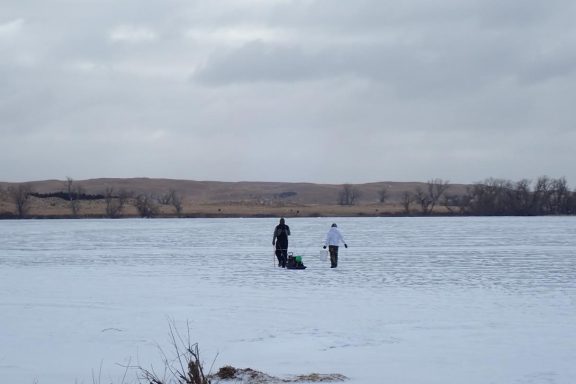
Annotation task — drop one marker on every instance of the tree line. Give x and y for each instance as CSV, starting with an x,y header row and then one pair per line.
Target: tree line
x,y
497,197
147,204
492,197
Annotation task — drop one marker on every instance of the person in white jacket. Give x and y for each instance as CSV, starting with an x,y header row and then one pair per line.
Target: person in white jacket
x,y
333,240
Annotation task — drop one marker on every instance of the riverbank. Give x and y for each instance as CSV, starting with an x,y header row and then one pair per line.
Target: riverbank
x,y
55,208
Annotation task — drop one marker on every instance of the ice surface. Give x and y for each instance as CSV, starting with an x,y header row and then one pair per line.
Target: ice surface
x,y
414,300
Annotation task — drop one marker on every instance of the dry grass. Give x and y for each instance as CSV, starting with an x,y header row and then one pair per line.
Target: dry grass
x,y
184,366
251,376
58,208
217,199
319,378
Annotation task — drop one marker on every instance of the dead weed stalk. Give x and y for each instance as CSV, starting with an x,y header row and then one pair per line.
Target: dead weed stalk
x,y
185,368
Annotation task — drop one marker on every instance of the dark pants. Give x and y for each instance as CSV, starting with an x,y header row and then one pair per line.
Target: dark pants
x,y
333,249
281,255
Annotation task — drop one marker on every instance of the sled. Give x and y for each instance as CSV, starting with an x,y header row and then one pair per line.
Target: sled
x,y
294,262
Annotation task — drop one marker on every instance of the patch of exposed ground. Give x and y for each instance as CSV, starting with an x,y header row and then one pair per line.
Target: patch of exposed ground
x,y
249,376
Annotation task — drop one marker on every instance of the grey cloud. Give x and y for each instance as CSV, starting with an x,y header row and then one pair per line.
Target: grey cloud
x,y
349,91
510,14
457,57
363,15
264,62
410,70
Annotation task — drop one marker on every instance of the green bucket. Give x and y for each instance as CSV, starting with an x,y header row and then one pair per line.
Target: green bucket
x,y
298,259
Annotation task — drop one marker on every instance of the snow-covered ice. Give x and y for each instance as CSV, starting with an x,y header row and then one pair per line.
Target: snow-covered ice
x,y
414,300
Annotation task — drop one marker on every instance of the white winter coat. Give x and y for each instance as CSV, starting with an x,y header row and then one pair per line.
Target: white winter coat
x,y
334,237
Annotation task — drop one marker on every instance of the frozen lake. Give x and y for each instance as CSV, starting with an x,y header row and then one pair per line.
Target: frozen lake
x,y
414,300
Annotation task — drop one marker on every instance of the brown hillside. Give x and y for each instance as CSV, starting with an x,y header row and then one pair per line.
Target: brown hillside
x,y
219,199
204,192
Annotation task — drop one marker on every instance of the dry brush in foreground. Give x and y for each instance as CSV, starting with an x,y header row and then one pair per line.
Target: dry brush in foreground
x,y
186,367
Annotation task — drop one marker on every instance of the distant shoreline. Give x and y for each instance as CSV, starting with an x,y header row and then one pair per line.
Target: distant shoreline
x,y
96,210
165,198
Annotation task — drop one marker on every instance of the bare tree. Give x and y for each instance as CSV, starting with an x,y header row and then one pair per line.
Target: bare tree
x,y
176,201
348,195
20,196
501,197
429,198
406,201
571,203
162,199
74,192
383,194
492,197
540,197
423,200
146,205
3,194
436,188
172,198
522,199
559,196
115,203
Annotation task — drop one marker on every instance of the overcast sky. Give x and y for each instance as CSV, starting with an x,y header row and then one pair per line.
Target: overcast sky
x,y
328,91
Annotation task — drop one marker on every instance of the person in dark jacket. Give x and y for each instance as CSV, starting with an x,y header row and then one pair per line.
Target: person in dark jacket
x,y
280,240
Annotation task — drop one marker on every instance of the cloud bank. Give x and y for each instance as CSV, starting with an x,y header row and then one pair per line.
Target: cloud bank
x,y
303,90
